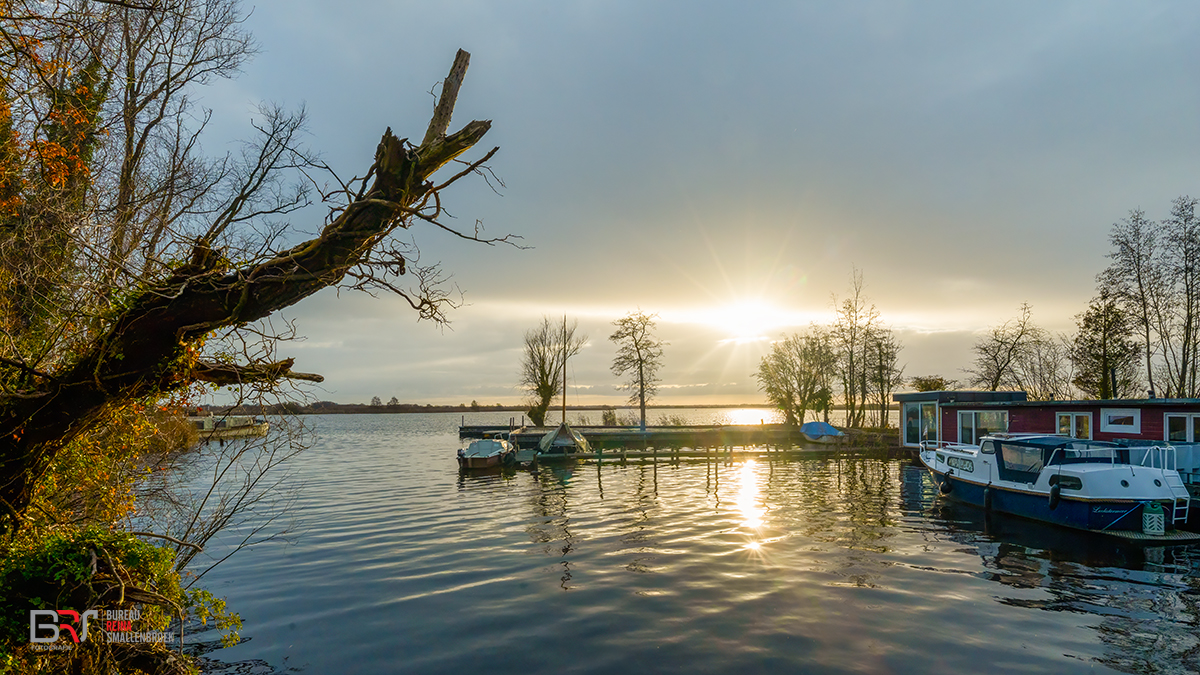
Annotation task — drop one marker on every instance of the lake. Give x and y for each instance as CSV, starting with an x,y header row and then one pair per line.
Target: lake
x,y
818,563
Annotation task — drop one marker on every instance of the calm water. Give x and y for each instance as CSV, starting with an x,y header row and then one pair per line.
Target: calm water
x,y
813,565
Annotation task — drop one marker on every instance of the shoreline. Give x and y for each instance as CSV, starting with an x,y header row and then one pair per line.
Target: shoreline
x,y
327,408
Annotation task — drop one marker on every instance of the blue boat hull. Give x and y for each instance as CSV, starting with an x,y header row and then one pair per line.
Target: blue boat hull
x,y
1084,515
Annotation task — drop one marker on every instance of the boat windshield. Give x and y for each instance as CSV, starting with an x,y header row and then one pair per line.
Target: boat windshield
x,y
1023,459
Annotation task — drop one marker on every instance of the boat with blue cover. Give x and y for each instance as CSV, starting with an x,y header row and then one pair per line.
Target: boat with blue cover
x,y
821,432
1130,491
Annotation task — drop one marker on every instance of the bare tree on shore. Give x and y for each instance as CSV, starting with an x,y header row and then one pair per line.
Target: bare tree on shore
x,y
545,353
796,374
1020,355
639,355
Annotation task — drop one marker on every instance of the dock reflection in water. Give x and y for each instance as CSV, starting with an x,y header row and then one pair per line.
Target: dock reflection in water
x,y
809,564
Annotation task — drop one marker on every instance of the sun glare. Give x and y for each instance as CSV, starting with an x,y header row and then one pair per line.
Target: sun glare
x,y
745,321
749,320
747,497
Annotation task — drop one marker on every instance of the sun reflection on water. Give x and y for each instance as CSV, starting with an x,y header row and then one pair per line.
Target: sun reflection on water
x,y
750,416
748,497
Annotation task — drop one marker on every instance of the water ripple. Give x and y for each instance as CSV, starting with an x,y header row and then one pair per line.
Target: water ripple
x,y
818,564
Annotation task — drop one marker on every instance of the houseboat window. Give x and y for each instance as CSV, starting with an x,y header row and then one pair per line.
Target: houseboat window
x,y
988,447
920,423
974,425
1121,420
1067,482
1177,428
912,424
1183,428
1075,425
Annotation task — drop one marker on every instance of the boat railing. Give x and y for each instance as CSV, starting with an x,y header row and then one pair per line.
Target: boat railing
x,y
1155,456
1152,456
948,445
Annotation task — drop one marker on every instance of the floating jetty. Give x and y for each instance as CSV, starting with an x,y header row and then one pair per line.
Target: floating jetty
x,y
679,441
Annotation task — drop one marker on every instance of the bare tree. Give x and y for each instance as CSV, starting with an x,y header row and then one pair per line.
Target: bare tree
x,y
886,373
546,351
852,330
1020,355
1179,323
1043,370
795,375
1135,277
998,352
639,355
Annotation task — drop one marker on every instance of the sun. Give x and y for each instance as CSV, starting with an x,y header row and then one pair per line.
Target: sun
x,y
745,321
751,320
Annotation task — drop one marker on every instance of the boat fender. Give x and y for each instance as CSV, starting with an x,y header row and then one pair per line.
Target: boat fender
x,y
946,487
1055,496
987,498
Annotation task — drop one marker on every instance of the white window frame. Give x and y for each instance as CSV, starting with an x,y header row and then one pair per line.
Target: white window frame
x,y
1189,426
974,427
937,416
1135,428
1074,416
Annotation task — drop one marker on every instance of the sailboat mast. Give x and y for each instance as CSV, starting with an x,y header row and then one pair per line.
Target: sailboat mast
x,y
564,346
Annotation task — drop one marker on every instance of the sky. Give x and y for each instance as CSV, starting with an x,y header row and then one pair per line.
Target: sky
x,y
727,166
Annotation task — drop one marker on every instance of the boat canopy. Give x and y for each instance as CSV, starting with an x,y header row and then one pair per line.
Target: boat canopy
x,y
816,429
1023,458
485,447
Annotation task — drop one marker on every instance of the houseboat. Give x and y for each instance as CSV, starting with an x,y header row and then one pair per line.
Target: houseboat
x,y
1118,460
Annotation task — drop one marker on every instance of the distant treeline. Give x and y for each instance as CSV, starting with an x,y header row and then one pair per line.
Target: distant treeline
x,y
332,408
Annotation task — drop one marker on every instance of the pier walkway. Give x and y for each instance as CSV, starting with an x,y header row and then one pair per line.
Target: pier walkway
x,y
684,441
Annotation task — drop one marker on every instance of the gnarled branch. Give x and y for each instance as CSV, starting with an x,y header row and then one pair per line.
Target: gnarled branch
x,y
231,373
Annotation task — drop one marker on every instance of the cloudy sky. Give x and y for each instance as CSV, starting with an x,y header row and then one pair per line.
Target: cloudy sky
x,y
727,165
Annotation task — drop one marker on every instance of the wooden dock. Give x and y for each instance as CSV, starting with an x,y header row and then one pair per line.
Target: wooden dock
x,y
684,441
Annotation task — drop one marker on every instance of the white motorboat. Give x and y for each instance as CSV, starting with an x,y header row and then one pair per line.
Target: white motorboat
x,y
1132,491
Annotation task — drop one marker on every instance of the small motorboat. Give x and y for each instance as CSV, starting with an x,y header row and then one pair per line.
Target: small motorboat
x,y
487,452
821,432
563,441
1126,490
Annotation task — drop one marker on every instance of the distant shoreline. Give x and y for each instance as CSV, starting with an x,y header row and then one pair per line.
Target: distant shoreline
x,y
331,408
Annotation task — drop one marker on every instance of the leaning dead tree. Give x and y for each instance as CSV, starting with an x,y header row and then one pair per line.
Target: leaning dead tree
x,y
150,341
